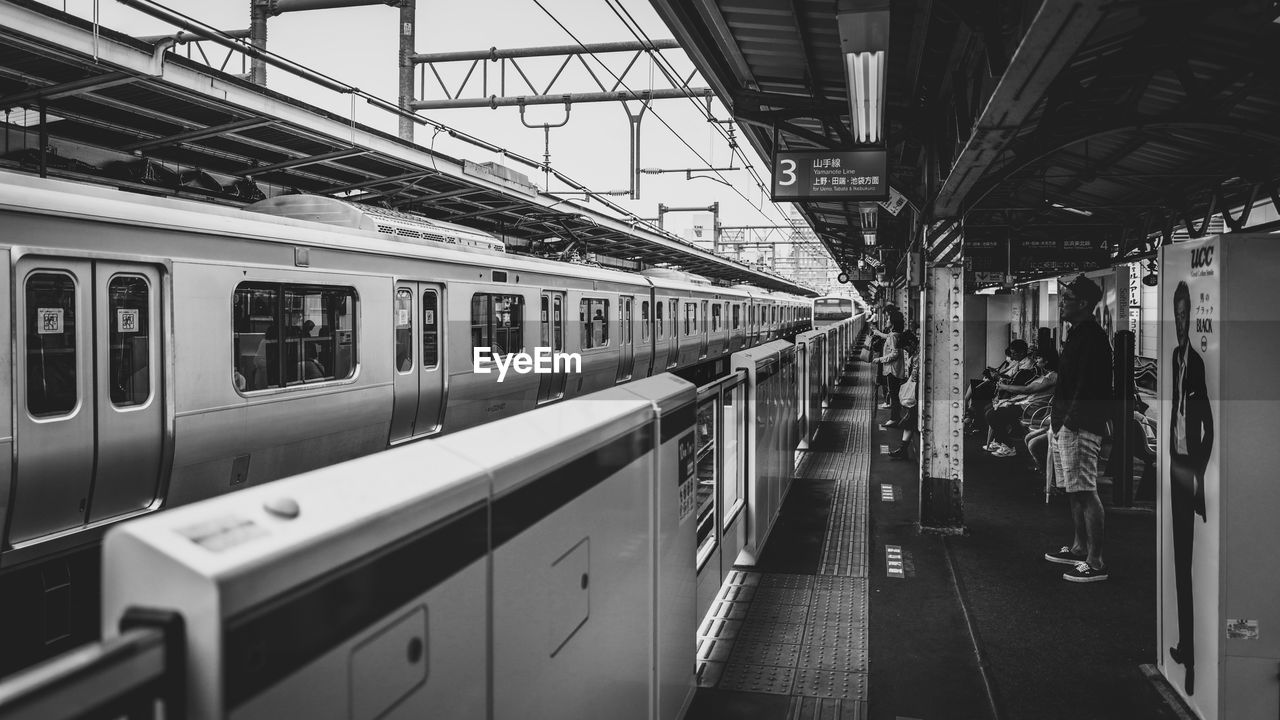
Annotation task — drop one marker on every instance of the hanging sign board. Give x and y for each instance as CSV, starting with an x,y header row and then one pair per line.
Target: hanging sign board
x,y
895,203
830,175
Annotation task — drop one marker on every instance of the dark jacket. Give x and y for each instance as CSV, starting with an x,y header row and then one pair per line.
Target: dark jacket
x,y
1082,399
1199,415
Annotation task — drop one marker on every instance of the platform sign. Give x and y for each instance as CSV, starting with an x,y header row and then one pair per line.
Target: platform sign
x,y
830,175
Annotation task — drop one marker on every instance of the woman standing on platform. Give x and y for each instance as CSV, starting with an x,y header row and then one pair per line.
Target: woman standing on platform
x,y
910,345
892,361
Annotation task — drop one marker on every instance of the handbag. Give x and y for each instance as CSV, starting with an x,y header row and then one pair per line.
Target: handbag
x,y
907,394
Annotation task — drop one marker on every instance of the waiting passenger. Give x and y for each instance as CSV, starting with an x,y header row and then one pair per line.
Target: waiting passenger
x,y
1082,404
1007,412
892,364
1017,369
909,422
312,369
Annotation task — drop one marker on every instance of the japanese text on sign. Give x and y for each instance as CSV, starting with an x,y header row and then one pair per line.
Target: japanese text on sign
x,y
830,175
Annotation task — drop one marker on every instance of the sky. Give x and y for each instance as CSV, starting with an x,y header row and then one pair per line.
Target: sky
x,y
358,46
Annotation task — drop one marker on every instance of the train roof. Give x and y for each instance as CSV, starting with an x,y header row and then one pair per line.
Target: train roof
x,y
20,192
402,226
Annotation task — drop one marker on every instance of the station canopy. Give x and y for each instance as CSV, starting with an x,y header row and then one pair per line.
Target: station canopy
x,y
1033,138
123,111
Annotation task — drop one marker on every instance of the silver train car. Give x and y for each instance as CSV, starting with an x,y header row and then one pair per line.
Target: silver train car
x,y
164,351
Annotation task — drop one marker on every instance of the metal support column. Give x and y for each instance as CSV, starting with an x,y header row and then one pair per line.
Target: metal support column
x,y
1122,442
942,401
408,35
634,120
259,11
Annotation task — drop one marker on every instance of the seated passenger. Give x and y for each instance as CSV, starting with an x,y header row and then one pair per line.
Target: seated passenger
x,y
312,369
1017,369
1008,410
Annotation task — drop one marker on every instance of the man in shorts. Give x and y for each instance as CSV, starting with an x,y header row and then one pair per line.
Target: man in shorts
x,y
1082,404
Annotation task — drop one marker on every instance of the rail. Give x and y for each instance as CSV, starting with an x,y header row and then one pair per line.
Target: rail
x,y
137,674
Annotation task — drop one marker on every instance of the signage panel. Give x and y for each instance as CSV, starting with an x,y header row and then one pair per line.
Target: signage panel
x,y
1191,484
830,175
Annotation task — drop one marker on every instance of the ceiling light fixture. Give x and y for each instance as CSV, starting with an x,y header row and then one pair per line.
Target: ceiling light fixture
x,y
864,42
1067,208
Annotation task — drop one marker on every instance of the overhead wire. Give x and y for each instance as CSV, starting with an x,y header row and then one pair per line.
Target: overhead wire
x,y
798,232
638,32
657,115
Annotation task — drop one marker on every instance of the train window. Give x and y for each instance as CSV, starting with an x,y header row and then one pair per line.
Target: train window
x,y
51,344
557,323
657,318
291,335
594,316
404,330
737,316
704,317
430,329
644,320
690,318
675,319
129,341
715,317
544,323
497,322
625,331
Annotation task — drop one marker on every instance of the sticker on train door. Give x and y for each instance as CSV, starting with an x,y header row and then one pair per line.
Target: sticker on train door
x,y
687,476
126,320
50,321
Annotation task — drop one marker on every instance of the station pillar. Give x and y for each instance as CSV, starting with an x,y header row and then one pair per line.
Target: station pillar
x,y
942,400
408,46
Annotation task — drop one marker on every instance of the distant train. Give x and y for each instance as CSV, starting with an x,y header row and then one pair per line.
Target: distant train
x,y
831,310
166,351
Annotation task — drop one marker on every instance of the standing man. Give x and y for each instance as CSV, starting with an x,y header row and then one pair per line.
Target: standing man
x,y
1081,406
1190,445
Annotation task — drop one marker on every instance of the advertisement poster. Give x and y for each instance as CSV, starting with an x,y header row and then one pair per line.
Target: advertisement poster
x,y
1190,484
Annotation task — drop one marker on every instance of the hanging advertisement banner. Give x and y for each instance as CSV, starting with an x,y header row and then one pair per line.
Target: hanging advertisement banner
x,y
1190,460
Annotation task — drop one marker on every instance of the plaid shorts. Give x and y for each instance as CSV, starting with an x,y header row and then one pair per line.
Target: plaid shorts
x,y
1075,459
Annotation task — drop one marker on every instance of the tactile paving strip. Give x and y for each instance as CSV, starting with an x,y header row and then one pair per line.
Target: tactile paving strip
x,y
813,708
754,652
830,684
758,678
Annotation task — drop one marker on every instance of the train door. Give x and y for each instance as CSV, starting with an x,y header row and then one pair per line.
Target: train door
x,y
626,338
673,353
419,387
551,326
702,343
89,393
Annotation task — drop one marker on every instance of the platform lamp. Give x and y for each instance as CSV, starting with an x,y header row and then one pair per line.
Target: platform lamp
x,y
868,218
864,42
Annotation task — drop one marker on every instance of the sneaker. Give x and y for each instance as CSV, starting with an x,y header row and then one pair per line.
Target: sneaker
x,y
885,405
1064,556
1003,451
1084,572
989,447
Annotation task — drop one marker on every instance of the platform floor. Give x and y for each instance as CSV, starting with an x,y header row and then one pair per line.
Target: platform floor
x,y
851,612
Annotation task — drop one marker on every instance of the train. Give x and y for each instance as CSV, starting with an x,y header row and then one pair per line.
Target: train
x,y
166,350
830,310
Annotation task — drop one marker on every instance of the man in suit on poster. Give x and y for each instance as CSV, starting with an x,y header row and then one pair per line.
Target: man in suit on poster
x,y
1190,445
